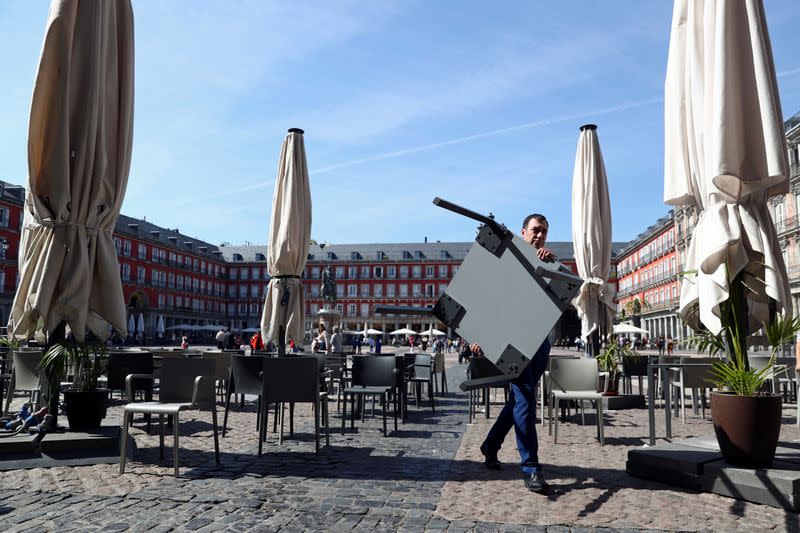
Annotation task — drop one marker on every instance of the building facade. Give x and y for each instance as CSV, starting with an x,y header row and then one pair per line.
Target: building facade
x,y
648,290
12,200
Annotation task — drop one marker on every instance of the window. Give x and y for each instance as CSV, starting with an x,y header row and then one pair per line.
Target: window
x,y
429,271
126,248
416,271
243,291
232,290
314,290
142,251
315,273
196,265
154,255
339,272
430,290
203,267
391,272
118,246
339,290
245,273
378,272
377,290
180,282
403,271
161,301
442,271
154,277
4,215
674,291
179,301
364,309
352,289
390,290
351,309
442,288
403,290
140,274
416,290
254,291
364,272
126,271
355,256
352,272
444,254
364,289
234,273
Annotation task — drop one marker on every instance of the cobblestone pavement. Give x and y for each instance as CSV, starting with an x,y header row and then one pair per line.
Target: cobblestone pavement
x,y
426,476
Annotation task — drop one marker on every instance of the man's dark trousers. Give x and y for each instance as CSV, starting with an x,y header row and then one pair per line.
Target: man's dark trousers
x,y
519,412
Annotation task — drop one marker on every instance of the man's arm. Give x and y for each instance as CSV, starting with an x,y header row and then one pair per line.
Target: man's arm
x,y
546,254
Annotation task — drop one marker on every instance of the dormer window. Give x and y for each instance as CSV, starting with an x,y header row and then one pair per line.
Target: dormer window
x,y
202,249
419,255
155,234
406,254
134,227
379,255
261,257
237,258
355,256
444,254
331,256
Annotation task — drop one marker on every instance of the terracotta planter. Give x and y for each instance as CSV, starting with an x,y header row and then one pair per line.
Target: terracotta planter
x,y
85,410
747,427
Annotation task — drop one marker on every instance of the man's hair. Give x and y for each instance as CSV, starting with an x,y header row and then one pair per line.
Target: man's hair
x,y
336,329
537,216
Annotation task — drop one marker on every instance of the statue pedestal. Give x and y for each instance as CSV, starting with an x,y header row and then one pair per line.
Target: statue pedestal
x,y
329,318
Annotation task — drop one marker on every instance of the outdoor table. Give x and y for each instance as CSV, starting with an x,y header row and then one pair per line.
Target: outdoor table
x,y
652,368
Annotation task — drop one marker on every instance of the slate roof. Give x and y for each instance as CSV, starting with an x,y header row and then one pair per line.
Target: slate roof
x,y
391,251
170,238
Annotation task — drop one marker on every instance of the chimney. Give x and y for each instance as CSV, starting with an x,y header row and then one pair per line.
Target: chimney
x,y
426,238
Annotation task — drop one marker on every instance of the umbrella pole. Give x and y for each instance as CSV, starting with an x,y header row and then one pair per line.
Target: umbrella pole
x,y
281,341
58,334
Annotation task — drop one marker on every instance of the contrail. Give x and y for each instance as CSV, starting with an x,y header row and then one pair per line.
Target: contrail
x,y
485,134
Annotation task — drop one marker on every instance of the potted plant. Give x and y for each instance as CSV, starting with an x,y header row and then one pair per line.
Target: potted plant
x,y
608,361
85,403
747,421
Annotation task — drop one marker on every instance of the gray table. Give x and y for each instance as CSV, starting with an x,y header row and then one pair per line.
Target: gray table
x,y
652,368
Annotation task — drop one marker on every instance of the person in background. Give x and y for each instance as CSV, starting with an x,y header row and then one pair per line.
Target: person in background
x,y
377,345
256,342
184,342
220,338
336,341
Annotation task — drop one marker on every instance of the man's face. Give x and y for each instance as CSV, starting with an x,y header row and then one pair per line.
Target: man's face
x,y
536,233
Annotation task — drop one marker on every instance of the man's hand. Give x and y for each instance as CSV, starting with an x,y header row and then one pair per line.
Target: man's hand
x,y
476,350
545,254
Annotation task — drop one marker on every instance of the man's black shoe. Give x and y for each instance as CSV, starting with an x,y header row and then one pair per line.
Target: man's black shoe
x,y
490,460
536,483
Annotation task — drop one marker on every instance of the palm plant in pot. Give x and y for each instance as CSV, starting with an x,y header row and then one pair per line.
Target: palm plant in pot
x,y
85,402
747,420
609,360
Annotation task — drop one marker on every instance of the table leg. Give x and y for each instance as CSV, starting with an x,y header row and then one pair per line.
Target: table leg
x,y
667,401
651,405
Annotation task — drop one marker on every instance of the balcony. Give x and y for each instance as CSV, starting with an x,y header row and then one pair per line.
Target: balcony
x,y
787,224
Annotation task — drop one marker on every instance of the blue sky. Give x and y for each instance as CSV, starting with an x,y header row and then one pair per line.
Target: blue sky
x,y
476,102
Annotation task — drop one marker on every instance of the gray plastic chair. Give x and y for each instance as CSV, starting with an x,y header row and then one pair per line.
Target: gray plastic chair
x,y
291,380
244,378
184,384
223,366
24,375
695,378
423,374
575,379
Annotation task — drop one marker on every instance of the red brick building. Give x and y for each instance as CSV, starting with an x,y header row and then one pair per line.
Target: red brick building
x,y
647,270
12,200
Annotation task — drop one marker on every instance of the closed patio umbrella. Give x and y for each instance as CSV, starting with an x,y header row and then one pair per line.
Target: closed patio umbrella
x,y
289,239
140,324
79,154
725,154
160,326
591,236
131,323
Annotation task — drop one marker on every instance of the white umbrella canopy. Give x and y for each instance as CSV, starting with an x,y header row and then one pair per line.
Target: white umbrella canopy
x,y
403,331
629,328
370,331
433,332
289,239
181,327
591,234
725,154
79,154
